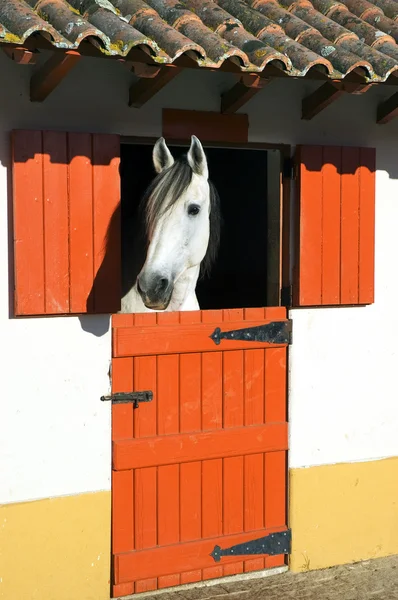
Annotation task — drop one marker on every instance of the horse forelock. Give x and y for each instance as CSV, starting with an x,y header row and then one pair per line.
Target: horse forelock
x,y
165,191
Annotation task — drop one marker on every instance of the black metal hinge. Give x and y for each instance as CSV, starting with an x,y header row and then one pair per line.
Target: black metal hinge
x,y
272,544
127,397
276,332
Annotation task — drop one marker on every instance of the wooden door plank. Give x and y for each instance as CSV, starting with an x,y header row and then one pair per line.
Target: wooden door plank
x,y
145,508
179,557
145,378
122,414
211,390
233,494
275,489
122,511
191,576
190,392
166,581
145,479
233,388
220,443
254,386
146,585
254,492
167,398
173,339
168,514
275,385
275,477
212,489
191,501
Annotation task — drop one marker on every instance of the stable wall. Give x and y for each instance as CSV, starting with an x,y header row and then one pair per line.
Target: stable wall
x,y
55,432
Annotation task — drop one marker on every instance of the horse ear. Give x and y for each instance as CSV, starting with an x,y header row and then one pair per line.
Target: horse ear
x,y
197,158
161,156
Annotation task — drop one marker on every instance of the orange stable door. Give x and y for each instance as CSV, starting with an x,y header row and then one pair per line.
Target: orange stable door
x,y
199,446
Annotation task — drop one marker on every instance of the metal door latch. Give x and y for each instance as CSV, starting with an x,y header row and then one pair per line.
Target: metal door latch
x,y
127,397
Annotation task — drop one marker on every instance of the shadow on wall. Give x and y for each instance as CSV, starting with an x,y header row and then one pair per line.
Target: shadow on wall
x,y
97,325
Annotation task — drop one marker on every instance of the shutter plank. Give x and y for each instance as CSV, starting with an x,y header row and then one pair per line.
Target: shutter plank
x,y
56,225
367,225
310,217
331,183
27,159
107,248
349,226
81,222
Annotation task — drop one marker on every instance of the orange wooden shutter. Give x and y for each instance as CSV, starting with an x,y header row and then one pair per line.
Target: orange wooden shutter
x,y
66,195
334,262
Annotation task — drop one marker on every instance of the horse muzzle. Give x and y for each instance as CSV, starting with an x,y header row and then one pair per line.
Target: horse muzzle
x,y
155,291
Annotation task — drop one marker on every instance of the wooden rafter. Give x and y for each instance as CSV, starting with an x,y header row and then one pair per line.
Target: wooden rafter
x,y
21,55
150,83
248,86
387,110
50,75
329,92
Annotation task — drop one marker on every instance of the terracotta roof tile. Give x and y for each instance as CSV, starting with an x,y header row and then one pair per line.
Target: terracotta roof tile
x,y
291,35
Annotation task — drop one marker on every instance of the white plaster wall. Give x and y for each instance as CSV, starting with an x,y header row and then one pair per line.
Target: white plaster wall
x,y
55,432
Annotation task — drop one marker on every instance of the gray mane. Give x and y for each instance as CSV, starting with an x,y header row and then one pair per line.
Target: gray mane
x,y
165,190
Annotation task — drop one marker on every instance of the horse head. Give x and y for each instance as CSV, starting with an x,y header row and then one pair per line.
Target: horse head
x,y
182,225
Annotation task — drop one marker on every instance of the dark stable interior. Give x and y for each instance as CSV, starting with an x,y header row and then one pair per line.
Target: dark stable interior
x,y
238,278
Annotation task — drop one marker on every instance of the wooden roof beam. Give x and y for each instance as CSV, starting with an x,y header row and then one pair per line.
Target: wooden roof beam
x,y
248,86
21,55
387,110
152,80
50,75
328,93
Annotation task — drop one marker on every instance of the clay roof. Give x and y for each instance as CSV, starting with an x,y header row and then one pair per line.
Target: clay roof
x,y
337,37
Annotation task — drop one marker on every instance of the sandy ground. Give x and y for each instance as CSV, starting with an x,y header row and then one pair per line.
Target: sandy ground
x,y
370,580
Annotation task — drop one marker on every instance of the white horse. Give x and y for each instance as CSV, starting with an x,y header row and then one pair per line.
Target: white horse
x,y
180,215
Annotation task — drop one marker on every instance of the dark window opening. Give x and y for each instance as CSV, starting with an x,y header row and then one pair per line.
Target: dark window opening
x,y
242,272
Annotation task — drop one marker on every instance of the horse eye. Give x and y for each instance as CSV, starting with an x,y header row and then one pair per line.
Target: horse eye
x,y
193,209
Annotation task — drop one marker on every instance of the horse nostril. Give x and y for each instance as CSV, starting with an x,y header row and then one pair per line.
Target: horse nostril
x,y
163,284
